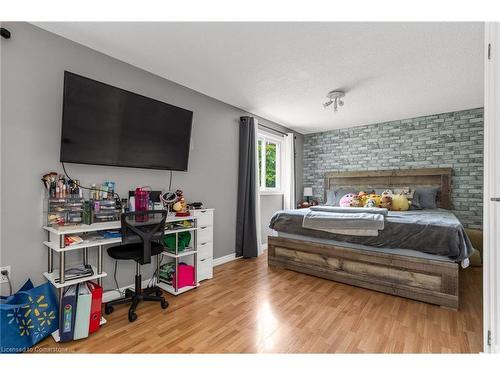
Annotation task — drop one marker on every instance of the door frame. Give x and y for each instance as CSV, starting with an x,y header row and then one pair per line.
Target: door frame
x,y
491,210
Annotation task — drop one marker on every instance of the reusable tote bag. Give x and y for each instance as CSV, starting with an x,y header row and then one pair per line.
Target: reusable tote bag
x,y
27,317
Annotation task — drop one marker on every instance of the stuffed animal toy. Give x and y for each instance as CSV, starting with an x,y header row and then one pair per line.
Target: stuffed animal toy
x,y
362,197
400,203
406,191
375,197
370,203
356,202
386,201
345,201
387,192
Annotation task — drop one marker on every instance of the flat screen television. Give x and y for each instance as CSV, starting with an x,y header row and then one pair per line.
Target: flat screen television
x,y
105,125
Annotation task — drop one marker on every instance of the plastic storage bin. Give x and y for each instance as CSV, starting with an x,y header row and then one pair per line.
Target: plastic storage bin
x,y
104,210
63,211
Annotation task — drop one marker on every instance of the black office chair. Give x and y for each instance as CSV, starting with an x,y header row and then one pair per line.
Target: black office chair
x,y
142,237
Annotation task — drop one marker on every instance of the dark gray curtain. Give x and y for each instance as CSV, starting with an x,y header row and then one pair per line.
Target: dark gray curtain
x,y
246,229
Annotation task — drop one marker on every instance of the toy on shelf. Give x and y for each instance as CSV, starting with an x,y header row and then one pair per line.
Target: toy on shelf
x,y
180,206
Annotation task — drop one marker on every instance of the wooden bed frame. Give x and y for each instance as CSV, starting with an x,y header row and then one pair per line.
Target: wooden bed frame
x,y
428,280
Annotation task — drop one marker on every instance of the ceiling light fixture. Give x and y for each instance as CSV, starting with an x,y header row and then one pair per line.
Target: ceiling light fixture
x,y
335,98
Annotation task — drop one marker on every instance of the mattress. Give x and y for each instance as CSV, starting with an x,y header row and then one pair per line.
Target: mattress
x,y
435,232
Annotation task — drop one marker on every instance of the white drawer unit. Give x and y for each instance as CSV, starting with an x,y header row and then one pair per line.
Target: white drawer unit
x,y
205,217
205,269
205,235
205,251
204,239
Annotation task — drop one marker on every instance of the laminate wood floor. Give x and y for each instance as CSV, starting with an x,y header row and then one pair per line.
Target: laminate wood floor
x,y
248,307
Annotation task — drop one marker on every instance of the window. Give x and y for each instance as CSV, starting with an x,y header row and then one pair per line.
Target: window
x,y
269,150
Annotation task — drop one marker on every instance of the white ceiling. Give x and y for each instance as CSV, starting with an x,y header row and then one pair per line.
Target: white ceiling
x,y
282,71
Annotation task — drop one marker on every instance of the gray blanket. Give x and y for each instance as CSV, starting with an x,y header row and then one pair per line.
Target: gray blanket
x,y
328,220
430,231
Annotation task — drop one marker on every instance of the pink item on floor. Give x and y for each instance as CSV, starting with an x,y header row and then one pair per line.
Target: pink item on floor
x,y
185,277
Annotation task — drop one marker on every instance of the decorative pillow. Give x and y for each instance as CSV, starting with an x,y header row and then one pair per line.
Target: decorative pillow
x,y
400,203
425,198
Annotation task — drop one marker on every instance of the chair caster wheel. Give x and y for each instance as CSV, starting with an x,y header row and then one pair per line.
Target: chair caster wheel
x,y
108,309
164,304
132,316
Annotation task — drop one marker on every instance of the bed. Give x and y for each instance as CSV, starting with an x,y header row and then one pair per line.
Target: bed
x,y
417,255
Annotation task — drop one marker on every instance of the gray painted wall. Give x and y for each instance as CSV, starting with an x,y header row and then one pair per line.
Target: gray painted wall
x,y
452,139
32,65
269,204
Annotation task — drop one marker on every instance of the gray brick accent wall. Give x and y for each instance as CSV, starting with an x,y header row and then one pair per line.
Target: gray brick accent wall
x,y
453,139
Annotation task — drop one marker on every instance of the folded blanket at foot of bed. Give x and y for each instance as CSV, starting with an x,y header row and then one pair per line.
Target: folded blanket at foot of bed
x,y
350,210
346,222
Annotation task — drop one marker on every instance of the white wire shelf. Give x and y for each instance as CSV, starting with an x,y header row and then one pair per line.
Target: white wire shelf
x,y
51,277
189,251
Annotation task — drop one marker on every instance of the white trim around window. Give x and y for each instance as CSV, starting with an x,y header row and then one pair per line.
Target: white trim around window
x,y
268,138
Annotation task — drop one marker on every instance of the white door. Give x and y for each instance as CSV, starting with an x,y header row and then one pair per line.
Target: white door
x,y
492,189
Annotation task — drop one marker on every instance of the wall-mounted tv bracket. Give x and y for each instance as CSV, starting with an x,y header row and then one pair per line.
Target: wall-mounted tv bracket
x,y
4,33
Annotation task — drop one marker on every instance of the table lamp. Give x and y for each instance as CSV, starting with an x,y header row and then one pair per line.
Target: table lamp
x,y
308,192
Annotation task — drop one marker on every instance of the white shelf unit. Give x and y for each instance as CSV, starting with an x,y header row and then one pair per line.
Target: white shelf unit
x,y
177,255
200,252
55,244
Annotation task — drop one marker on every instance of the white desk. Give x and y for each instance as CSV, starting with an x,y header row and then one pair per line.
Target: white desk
x,y
55,244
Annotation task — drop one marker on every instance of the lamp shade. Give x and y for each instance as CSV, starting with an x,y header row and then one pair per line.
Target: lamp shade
x,y
308,192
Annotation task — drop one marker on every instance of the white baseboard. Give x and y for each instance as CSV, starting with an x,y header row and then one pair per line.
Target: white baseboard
x,y
226,258
114,294
261,249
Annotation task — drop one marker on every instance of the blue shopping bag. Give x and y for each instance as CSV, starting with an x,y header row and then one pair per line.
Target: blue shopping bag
x,y
27,317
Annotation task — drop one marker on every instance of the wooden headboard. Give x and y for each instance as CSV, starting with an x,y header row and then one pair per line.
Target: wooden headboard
x,y
392,178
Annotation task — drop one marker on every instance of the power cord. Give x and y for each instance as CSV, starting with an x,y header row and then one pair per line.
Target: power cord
x,y
116,280
85,187
155,276
6,274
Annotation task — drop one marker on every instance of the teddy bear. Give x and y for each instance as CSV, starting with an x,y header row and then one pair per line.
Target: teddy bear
x,y
386,201
356,202
387,192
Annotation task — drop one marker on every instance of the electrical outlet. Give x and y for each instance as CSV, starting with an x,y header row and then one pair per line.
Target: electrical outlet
x,y
3,278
